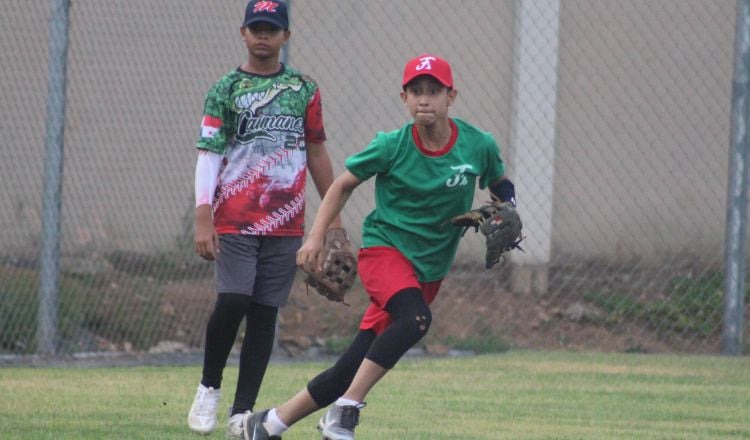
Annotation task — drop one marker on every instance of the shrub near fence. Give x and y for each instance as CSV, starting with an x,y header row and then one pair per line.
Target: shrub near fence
x,y
133,303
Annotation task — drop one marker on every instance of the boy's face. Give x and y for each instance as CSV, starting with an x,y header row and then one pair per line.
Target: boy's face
x,y
427,100
264,40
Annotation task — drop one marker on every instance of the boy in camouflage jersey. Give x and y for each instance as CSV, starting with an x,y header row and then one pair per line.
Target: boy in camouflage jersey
x,y
262,130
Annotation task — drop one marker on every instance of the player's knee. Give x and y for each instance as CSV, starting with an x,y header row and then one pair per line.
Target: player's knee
x,y
422,321
232,301
425,321
414,326
410,313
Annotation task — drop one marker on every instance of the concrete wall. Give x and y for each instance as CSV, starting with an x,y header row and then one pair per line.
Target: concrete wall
x,y
642,131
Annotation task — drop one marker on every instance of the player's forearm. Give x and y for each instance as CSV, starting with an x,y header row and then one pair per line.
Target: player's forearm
x,y
203,215
504,190
206,177
321,169
330,208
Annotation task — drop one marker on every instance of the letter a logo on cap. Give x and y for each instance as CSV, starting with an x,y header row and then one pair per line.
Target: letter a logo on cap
x,y
424,63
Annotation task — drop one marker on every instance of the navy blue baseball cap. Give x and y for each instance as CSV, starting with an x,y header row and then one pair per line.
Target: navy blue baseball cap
x,y
267,11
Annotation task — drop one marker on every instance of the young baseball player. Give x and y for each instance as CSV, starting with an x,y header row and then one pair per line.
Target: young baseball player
x,y
425,173
262,130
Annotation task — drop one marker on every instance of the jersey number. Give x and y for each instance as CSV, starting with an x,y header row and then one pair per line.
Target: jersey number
x,y
294,142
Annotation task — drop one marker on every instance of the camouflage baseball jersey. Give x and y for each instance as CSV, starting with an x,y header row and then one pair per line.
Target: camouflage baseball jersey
x,y
261,125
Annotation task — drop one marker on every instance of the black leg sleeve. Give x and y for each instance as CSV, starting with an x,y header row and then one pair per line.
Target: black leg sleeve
x,y
329,385
411,320
257,347
220,334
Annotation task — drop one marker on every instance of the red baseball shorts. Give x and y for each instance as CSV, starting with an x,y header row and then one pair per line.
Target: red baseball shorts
x,y
384,271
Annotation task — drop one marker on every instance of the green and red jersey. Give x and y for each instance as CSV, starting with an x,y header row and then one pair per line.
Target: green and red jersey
x,y
261,126
418,191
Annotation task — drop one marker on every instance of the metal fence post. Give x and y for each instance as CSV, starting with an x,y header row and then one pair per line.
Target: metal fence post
x,y
737,187
53,165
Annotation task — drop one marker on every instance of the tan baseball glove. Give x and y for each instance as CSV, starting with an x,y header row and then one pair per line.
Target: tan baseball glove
x,y
339,268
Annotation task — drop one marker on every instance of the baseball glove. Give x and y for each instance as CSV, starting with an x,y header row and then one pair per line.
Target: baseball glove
x,y
500,224
339,267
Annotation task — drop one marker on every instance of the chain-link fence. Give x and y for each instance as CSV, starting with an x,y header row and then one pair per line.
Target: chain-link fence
x,y
613,118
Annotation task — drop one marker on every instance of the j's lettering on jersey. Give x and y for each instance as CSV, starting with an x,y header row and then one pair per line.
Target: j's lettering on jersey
x,y
459,178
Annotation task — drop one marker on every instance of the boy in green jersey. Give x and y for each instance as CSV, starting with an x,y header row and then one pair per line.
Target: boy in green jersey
x,y
425,173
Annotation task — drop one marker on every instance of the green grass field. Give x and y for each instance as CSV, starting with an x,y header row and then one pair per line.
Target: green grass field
x,y
516,395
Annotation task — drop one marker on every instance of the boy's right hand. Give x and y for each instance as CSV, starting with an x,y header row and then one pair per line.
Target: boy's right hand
x,y
206,238
310,255
329,263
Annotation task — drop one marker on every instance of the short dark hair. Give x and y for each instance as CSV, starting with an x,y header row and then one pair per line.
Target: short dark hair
x,y
426,76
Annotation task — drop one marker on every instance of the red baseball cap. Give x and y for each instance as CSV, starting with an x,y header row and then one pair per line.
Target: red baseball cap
x,y
431,65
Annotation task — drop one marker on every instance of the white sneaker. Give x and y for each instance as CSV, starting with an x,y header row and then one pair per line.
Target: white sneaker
x,y
234,426
339,422
202,416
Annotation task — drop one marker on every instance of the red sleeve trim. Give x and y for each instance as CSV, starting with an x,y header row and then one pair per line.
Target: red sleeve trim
x,y
314,131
